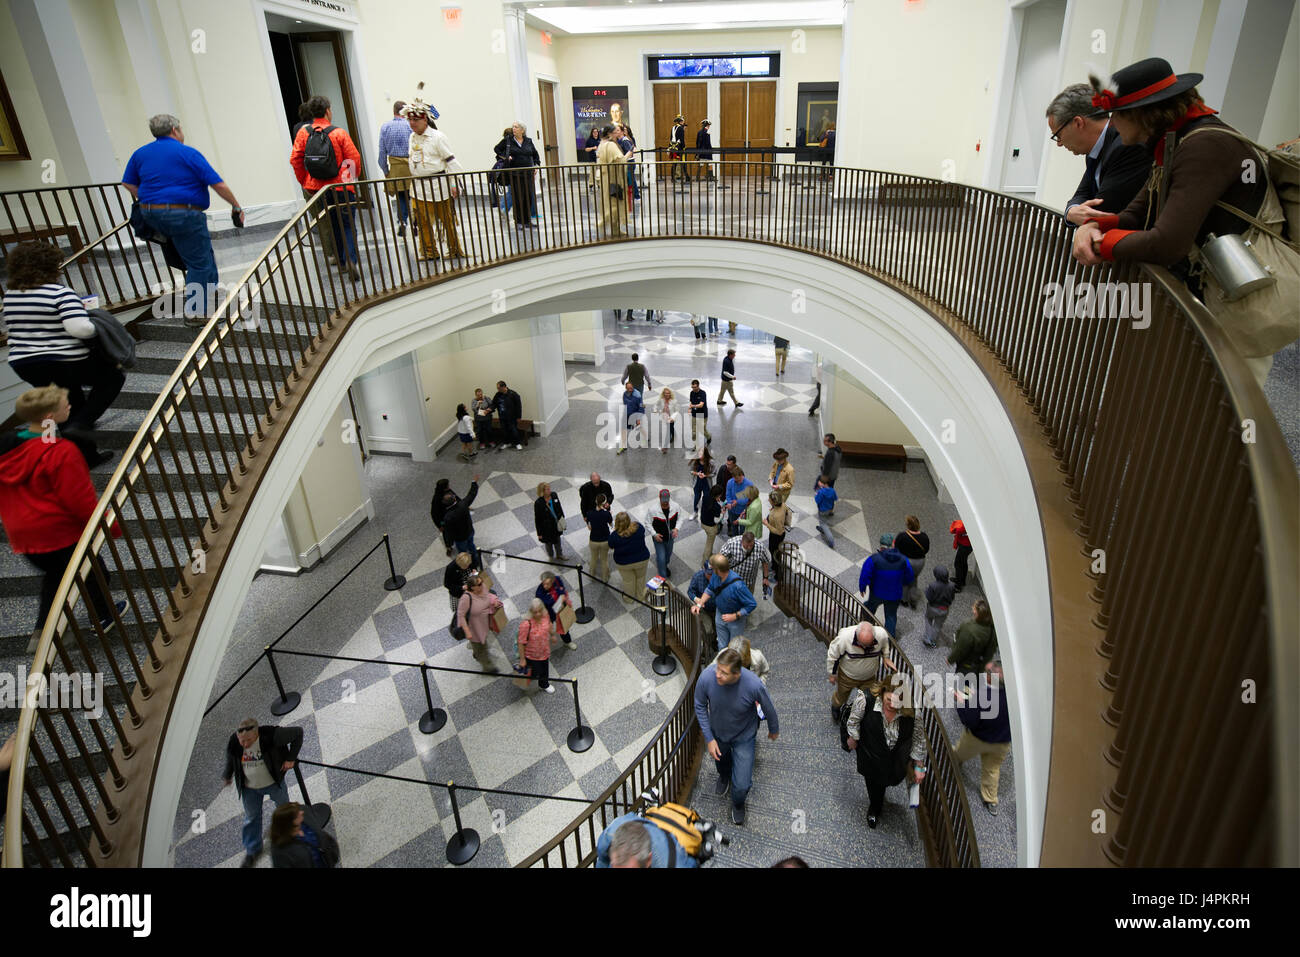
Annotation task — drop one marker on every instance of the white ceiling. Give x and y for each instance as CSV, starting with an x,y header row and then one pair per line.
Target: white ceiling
x,y
579,17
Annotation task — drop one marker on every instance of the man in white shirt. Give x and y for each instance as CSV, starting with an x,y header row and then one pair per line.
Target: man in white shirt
x,y
431,156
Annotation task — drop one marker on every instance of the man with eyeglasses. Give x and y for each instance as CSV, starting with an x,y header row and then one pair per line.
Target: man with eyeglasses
x,y
257,759
1113,172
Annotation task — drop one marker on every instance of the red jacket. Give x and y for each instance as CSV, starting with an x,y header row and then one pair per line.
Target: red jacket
x,y
46,496
959,536
345,152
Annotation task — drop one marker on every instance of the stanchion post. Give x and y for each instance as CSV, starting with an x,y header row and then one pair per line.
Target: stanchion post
x,y
288,700
321,811
584,613
464,843
581,738
395,581
432,720
664,663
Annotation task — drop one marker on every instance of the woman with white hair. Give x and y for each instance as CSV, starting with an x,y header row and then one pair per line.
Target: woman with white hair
x,y
521,159
886,735
535,633
750,657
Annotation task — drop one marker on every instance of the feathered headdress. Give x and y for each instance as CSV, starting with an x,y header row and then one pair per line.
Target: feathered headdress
x,y
417,106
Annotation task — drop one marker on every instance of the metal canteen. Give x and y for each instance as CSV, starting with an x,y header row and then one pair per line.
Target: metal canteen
x,y
1231,260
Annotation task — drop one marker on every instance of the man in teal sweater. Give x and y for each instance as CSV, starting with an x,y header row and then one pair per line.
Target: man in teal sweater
x,y
726,696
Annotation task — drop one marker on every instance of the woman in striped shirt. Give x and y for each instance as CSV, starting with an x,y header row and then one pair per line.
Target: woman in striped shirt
x,y
48,332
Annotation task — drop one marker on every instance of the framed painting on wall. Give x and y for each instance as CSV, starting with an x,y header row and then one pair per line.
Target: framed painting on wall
x,y
818,111
12,144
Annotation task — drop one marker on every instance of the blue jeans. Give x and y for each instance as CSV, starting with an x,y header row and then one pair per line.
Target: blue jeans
x,y
466,545
188,231
738,764
713,324
825,528
403,206
663,554
252,801
701,490
342,225
891,612
728,630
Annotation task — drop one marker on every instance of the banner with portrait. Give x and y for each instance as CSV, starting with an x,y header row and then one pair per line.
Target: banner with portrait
x,y
595,107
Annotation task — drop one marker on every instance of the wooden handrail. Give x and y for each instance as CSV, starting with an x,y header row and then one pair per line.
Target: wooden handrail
x,y
1124,431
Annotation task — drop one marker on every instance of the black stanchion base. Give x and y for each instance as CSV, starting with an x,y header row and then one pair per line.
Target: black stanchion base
x,y
584,614
394,583
282,706
322,812
581,739
463,846
433,721
664,664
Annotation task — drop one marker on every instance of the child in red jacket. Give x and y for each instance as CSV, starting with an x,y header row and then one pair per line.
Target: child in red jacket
x,y
961,542
46,497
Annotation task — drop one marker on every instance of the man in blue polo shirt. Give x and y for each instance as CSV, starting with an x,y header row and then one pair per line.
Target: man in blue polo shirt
x,y
171,182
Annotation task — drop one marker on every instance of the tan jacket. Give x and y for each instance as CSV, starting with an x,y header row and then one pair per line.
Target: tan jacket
x,y
430,156
782,478
778,520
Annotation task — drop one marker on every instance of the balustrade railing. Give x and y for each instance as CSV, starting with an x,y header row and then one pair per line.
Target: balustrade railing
x,y
89,225
1162,447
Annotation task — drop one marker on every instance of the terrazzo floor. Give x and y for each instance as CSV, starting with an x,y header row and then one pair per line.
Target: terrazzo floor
x,y
390,823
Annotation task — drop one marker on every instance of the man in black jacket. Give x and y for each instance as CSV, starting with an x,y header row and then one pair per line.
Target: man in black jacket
x,y
704,143
459,523
588,491
510,408
729,379
1113,172
677,143
256,760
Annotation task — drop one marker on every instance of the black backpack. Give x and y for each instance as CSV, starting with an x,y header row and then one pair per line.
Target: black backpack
x,y
318,155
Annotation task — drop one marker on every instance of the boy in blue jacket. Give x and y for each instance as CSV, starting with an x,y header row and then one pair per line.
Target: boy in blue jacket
x,y
825,498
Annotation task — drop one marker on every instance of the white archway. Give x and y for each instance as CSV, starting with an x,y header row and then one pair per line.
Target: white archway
x,y
901,353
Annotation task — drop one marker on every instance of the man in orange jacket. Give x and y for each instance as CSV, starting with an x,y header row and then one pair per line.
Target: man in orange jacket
x,y
324,155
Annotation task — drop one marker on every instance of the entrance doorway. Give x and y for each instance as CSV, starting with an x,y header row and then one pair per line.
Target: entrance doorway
x,y
311,62
688,100
748,120
550,143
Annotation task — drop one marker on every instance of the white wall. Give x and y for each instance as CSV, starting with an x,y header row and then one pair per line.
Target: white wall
x,y
24,174
1282,116
330,498
583,336
1037,70
464,69
857,415
1130,32
619,60
916,90
452,367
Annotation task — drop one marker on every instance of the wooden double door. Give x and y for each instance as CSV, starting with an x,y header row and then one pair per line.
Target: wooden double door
x,y
748,119
688,100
